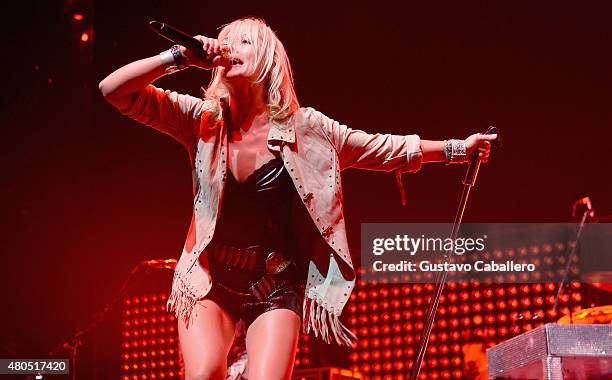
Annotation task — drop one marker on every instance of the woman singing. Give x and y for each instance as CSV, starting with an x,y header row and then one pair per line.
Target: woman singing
x,y
267,241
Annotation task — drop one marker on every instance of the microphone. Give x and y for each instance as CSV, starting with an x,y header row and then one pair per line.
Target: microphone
x,y
179,37
586,201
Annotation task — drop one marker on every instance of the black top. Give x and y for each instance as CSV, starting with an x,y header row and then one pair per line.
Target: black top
x,y
257,211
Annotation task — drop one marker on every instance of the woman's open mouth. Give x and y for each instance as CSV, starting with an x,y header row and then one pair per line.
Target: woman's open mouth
x,y
236,61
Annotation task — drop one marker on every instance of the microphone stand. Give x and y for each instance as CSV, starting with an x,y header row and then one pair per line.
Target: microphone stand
x,y
587,213
468,183
73,342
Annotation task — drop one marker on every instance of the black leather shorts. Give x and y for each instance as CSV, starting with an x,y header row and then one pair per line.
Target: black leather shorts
x,y
232,290
247,308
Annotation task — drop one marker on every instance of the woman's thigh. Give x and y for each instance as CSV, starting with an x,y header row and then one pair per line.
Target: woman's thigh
x,y
206,342
271,345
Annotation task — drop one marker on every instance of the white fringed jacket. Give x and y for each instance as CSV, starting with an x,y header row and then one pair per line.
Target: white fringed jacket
x,y
314,149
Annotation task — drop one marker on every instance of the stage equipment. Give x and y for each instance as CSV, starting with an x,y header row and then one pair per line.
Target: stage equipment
x,y
588,213
554,352
599,280
594,315
72,343
468,182
325,373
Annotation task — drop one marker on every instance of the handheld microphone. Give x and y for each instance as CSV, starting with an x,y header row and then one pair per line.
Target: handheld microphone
x,y
178,37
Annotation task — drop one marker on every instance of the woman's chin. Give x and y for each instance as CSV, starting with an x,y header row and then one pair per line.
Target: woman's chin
x,y
236,78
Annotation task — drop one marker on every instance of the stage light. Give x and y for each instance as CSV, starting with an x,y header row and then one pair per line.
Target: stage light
x,y
376,367
396,328
433,337
385,329
366,368
564,298
501,304
395,303
418,301
418,325
576,297
374,330
499,291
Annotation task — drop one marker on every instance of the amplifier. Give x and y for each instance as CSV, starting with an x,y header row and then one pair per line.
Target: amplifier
x,y
325,373
554,352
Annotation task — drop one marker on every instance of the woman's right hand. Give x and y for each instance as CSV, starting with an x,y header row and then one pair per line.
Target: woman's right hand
x,y
213,49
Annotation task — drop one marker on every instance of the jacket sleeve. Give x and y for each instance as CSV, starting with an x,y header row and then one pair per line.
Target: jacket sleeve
x,y
362,150
169,112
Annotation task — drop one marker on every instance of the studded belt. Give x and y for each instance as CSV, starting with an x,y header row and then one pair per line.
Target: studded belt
x,y
280,270
238,257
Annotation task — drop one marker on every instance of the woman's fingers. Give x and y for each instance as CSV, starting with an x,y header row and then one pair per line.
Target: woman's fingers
x,y
490,137
481,144
210,45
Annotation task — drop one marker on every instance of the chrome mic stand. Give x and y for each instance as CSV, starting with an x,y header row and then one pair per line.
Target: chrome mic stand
x,y
72,343
468,183
588,213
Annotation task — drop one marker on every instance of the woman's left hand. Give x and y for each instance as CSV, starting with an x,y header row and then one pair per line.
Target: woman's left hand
x,y
481,143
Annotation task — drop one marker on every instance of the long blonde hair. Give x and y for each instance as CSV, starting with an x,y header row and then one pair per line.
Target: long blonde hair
x,y
272,65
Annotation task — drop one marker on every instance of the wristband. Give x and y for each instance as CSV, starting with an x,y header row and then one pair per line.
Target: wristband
x,y
173,59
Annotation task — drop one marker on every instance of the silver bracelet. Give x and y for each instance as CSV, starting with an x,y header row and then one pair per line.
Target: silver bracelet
x,y
455,151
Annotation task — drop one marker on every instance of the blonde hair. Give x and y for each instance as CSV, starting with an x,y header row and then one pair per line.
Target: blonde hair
x,y
271,64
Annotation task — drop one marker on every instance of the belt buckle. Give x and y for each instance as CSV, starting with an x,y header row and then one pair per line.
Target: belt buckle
x,y
276,262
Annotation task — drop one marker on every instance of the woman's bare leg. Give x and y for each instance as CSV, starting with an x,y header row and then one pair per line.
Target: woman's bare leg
x,y
271,345
207,341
